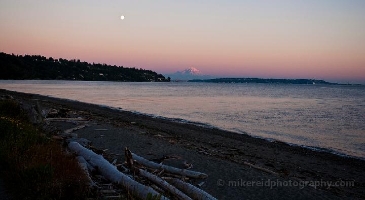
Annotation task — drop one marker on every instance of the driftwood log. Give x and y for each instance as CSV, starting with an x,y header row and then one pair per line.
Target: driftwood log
x,y
60,119
163,184
191,190
170,169
260,168
74,129
89,168
111,173
85,166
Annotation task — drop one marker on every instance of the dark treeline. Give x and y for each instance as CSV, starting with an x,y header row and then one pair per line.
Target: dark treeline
x,y
28,67
262,80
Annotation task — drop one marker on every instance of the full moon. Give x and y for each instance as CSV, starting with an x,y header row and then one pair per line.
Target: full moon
x,y
122,17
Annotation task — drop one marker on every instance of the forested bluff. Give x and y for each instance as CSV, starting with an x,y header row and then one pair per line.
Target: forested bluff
x,y
37,67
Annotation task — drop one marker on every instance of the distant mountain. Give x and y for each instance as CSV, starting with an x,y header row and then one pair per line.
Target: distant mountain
x,y
192,71
187,74
18,67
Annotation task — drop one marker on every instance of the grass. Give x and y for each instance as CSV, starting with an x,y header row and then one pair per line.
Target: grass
x,y
32,165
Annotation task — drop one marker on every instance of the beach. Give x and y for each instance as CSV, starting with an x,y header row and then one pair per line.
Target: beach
x,y
238,166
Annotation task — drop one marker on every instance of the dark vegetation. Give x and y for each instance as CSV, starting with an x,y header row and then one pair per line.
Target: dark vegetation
x,y
33,165
262,80
27,67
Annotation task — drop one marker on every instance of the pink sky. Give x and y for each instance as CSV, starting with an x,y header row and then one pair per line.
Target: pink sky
x,y
271,39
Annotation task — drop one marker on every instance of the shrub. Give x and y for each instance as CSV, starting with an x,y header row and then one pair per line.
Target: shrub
x,y
34,166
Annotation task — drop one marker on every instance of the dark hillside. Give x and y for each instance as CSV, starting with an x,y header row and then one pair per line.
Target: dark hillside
x,y
19,67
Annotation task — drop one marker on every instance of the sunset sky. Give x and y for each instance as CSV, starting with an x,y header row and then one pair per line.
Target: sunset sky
x,y
321,39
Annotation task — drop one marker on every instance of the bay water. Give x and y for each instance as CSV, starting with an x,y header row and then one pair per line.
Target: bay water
x,y
322,117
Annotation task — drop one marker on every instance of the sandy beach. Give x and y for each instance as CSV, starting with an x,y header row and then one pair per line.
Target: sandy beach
x,y
238,166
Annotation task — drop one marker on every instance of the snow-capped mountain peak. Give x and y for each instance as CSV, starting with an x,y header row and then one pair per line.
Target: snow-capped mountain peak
x,y
191,71
188,74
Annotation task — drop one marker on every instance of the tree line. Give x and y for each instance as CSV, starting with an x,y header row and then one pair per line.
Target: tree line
x,y
30,67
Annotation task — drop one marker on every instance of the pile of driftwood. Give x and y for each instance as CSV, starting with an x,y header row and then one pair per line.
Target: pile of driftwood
x,y
163,180
140,177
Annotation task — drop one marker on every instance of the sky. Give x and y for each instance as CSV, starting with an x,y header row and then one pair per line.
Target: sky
x,y
320,39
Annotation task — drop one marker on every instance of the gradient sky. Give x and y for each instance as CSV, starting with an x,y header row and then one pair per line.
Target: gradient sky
x,y
322,39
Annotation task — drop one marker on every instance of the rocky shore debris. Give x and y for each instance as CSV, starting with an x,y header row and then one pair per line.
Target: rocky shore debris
x,y
158,179
110,172
112,179
170,169
161,178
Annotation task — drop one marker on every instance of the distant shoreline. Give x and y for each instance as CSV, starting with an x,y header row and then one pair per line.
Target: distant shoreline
x,y
201,81
268,81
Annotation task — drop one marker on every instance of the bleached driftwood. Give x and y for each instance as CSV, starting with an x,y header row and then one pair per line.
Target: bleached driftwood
x,y
84,142
74,129
163,184
174,170
88,166
260,168
84,166
191,190
65,119
111,173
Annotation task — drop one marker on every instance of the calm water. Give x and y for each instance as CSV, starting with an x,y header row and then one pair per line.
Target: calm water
x,y
327,118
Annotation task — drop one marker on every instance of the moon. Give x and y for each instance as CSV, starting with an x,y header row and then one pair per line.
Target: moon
x,y
122,17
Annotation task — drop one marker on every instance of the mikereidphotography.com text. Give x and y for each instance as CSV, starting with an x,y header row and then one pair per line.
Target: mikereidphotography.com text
x,y
274,183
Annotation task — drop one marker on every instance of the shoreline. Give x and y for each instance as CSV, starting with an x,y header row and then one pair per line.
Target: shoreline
x,y
283,131
208,126
219,147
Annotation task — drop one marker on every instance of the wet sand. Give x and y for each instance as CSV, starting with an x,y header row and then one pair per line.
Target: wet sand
x,y
239,166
